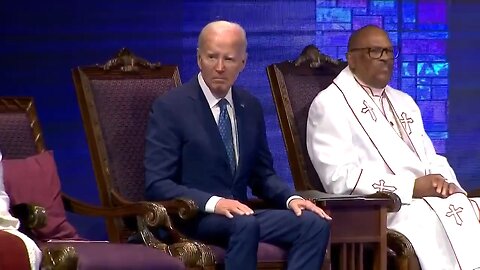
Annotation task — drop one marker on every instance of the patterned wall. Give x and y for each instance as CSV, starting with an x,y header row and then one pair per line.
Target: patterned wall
x,y
419,29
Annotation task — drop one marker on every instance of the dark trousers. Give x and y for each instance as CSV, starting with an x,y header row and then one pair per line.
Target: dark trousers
x,y
306,237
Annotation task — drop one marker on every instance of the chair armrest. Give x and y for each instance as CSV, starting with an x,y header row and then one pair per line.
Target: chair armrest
x,y
59,257
396,202
399,244
192,253
318,197
181,207
30,216
153,212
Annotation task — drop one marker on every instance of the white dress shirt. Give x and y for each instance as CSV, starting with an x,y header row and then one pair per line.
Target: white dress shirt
x,y
213,104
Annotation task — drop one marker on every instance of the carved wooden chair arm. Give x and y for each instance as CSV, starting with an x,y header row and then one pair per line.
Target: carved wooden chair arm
x,y
30,216
181,207
401,251
125,210
399,243
396,202
193,254
59,258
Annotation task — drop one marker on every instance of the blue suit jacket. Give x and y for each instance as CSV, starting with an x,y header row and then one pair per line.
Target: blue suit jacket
x,y
185,155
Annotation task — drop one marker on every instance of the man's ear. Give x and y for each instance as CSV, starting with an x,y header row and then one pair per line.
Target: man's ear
x,y
199,59
350,60
244,61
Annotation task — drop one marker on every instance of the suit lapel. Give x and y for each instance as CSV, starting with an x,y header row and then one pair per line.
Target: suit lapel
x,y
239,107
206,120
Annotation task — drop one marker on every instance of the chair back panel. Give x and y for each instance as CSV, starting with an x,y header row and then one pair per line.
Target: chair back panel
x,y
20,135
115,100
293,88
122,107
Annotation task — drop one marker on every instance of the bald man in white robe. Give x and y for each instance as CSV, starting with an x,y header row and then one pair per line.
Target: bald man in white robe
x,y
364,136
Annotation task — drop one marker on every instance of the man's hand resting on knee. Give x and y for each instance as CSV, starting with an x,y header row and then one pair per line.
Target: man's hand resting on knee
x,y
298,205
228,208
434,185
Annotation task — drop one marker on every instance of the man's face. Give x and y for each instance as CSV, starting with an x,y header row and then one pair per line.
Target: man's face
x,y
221,58
374,72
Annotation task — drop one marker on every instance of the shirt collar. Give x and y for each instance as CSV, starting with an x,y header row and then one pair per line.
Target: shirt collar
x,y
211,99
372,91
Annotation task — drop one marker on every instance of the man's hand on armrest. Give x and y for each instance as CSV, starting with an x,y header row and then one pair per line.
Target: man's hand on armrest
x,y
297,205
228,208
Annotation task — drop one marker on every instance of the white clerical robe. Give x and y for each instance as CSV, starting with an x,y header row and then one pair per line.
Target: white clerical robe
x,y
356,149
10,224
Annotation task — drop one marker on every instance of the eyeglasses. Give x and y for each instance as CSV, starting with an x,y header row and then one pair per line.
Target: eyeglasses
x,y
377,53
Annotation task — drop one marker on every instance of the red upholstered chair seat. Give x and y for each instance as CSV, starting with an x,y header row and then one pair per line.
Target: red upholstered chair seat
x,y
13,253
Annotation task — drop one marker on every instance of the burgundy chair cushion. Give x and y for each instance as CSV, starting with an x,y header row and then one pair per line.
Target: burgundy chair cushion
x,y
35,180
266,253
94,255
13,254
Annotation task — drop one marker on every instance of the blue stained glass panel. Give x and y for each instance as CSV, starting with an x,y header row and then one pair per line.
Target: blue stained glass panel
x,y
432,27
440,92
383,7
326,3
440,81
408,57
432,12
334,15
438,135
424,92
440,145
408,69
359,11
409,12
409,26
432,69
328,26
431,58
425,35
352,3
390,26
433,110
360,21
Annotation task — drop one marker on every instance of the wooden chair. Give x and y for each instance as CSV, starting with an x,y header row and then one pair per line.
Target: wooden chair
x,y
21,141
294,85
115,100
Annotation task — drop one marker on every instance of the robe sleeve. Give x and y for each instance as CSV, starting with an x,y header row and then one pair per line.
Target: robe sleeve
x,y
339,161
436,163
7,221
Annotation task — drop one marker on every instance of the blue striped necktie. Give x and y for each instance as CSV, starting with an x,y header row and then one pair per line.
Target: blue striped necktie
x,y
225,128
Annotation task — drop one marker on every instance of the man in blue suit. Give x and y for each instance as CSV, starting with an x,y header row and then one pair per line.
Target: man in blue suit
x,y
206,141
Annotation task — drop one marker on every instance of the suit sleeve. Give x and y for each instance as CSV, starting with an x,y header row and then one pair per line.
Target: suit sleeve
x,y
337,159
264,182
163,151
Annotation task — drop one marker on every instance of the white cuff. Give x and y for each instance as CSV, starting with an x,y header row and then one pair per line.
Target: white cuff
x,y
211,203
291,198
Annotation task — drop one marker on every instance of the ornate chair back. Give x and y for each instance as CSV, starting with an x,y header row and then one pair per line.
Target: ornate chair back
x,y
294,85
115,99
